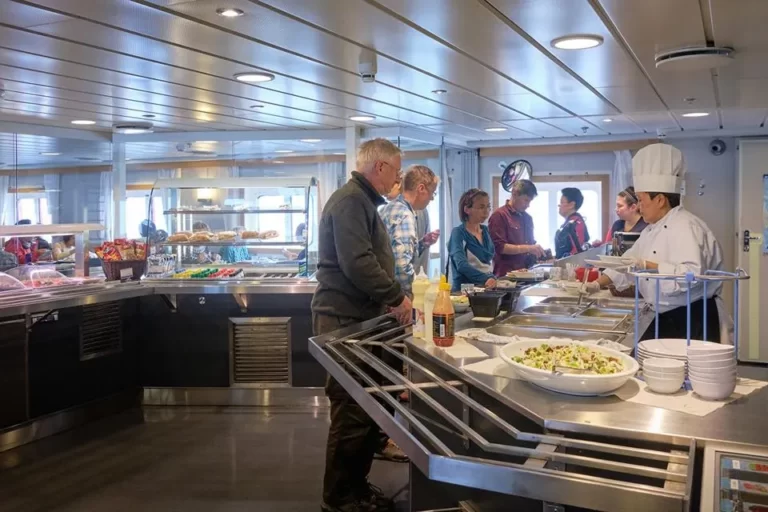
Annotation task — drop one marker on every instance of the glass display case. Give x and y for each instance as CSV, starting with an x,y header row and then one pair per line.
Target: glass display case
x,y
263,227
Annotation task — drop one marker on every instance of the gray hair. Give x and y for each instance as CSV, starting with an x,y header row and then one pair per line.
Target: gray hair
x,y
375,150
417,175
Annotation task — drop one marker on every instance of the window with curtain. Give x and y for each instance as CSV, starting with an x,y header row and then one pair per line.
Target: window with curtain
x,y
136,208
543,208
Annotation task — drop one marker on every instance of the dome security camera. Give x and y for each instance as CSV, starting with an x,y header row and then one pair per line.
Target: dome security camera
x,y
717,147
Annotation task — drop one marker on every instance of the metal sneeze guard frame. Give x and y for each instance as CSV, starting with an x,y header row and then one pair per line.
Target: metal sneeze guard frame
x,y
345,352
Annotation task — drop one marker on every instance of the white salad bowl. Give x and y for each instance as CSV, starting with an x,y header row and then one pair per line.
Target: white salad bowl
x,y
570,383
664,385
713,390
663,365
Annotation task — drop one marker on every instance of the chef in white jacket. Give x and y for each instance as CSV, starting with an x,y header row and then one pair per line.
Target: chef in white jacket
x,y
675,242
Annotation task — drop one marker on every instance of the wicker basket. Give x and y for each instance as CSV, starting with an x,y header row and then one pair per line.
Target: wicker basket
x,y
112,269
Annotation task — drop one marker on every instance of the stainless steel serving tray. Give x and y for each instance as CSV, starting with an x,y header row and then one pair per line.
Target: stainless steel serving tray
x,y
563,322
544,333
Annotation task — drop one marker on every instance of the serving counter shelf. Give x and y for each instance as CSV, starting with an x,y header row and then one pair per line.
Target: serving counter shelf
x,y
505,441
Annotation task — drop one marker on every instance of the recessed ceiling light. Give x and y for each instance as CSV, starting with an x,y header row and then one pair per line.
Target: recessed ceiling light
x,y
577,42
361,118
229,12
607,120
283,151
254,76
311,141
49,153
696,114
496,129
205,142
83,121
439,91
257,106
339,153
278,161
149,116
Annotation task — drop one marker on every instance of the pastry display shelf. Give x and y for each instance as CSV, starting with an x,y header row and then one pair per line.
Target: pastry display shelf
x,y
80,232
235,243
248,211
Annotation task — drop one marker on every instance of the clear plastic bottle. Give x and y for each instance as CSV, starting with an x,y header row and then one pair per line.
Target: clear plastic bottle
x,y
420,286
443,317
429,303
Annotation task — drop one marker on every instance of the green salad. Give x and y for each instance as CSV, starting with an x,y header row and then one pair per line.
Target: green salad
x,y
546,357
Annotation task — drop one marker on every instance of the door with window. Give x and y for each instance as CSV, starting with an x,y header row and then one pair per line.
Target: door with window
x,y
543,209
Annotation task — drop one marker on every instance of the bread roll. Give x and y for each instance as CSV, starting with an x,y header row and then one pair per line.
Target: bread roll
x,y
249,234
178,237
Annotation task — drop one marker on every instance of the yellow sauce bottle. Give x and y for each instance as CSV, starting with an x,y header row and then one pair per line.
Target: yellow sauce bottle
x,y
443,316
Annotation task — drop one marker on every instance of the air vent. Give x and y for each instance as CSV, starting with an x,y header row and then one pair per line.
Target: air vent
x,y
101,331
133,128
260,352
694,58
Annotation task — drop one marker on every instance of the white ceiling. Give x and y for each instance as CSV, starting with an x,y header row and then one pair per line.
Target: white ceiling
x,y
118,60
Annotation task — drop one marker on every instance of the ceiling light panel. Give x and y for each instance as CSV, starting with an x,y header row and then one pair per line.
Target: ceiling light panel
x,y
292,35
608,68
499,47
576,125
618,125
577,42
696,120
539,129
646,31
312,73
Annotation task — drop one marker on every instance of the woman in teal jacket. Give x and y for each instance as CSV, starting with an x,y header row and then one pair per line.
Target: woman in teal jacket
x,y
470,248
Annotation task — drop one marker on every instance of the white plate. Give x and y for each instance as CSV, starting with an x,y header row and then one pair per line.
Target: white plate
x,y
668,347
711,357
570,383
708,349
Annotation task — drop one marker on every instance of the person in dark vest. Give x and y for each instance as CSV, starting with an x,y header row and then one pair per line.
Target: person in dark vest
x,y
356,282
573,234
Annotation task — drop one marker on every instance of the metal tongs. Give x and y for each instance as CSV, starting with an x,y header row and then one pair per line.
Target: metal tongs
x,y
583,285
560,370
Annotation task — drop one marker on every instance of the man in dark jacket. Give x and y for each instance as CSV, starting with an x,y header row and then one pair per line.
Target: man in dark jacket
x,y
355,282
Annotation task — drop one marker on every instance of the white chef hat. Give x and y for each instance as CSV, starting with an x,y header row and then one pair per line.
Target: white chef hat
x,y
658,168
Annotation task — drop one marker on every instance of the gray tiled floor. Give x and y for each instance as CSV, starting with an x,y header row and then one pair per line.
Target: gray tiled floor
x,y
177,459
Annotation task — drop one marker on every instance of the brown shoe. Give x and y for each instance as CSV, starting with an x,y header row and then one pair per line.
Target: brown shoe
x,y
391,452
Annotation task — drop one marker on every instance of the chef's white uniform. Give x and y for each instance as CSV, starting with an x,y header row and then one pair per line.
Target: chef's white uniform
x,y
679,242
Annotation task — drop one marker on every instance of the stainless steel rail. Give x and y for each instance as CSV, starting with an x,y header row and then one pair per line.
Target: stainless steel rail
x,y
628,477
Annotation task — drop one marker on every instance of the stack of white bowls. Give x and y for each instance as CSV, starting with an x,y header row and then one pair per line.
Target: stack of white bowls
x,y
664,375
668,348
712,370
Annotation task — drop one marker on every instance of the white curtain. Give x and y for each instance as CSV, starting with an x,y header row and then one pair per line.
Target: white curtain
x,y
6,199
329,176
52,186
107,208
169,174
621,177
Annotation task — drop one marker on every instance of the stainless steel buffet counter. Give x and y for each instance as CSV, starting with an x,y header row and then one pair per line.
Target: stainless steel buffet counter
x,y
505,443
45,299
